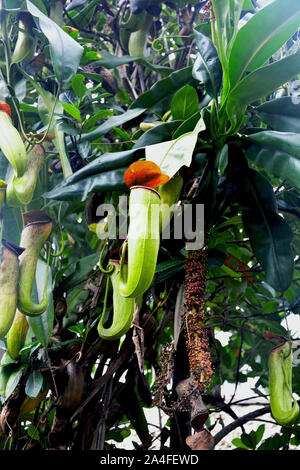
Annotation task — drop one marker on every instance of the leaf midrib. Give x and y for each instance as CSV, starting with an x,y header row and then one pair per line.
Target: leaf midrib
x,y
262,44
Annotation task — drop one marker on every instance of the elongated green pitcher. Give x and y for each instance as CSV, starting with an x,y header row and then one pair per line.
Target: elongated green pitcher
x,y
123,308
142,242
33,238
20,189
17,335
9,278
284,407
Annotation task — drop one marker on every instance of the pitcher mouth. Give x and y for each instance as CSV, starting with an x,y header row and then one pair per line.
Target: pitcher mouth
x,y
36,217
145,187
12,247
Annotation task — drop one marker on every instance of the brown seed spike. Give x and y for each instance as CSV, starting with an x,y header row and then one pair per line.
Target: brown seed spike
x,y
196,334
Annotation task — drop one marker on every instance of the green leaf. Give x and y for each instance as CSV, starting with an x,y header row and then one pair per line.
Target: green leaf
x,y
288,142
260,432
160,90
100,114
278,153
270,306
269,79
33,432
184,103
82,268
277,163
260,37
42,325
223,27
165,274
249,440
282,114
239,444
166,265
78,191
174,154
107,161
34,384
72,110
248,5
65,52
10,376
78,328
78,85
8,367
207,67
12,224
269,234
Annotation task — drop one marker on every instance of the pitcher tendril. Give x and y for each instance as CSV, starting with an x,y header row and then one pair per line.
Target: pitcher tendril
x,y
160,47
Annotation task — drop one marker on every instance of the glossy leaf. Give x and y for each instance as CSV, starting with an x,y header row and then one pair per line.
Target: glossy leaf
x,y
65,52
185,103
187,125
107,181
276,162
10,376
78,85
104,163
288,142
81,270
262,36
12,224
72,111
269,78
222,14
171,156
278,153
269,234
207,67
34,384
167,269
282,114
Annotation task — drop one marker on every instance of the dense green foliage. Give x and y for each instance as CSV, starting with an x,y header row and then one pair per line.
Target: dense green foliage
x,y
208,90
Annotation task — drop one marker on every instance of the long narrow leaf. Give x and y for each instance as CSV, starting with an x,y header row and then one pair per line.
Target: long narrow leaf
x,y
269,234
207,67
269,79
276,162
282,114
262,36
